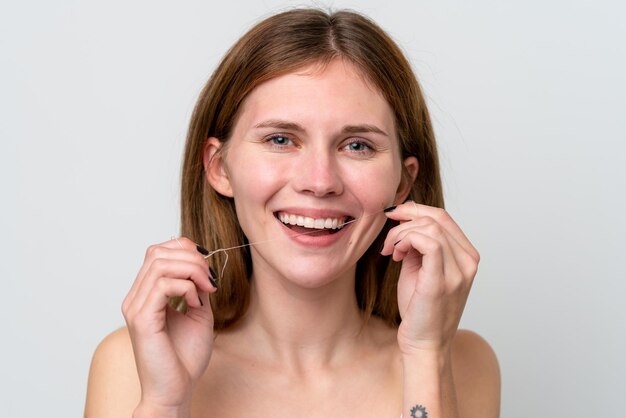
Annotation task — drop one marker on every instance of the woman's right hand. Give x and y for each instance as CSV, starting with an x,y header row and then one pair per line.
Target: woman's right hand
x,y
171,349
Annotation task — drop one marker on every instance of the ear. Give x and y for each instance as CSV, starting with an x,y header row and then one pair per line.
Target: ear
x,y
409,173
215,168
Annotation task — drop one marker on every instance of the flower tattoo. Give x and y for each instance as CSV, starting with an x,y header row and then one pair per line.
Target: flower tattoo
x,y
419,411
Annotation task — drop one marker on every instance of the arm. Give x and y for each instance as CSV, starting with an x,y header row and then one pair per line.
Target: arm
x,y
476,376
150,369
428,386
113,388
438,267
463,383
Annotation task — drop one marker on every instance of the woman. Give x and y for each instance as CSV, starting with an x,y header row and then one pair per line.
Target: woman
x,y
311,159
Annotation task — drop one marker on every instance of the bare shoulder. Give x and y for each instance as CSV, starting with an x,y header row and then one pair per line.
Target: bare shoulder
x,y
113,388
476,375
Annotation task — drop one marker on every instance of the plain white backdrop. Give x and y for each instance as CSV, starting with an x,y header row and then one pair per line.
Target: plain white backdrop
x,y
528,101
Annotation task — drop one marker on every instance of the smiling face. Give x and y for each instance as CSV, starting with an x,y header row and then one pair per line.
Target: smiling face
x,y
310,151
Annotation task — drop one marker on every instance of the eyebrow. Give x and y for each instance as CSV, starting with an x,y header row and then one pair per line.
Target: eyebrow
x,y
280,124
292,126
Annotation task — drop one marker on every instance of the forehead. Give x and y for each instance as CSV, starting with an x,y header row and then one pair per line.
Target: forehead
x,y
333,93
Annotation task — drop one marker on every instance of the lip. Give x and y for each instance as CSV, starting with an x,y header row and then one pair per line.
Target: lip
x,y
310,240
315,213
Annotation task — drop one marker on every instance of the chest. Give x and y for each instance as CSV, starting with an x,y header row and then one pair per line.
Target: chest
x,y
372,390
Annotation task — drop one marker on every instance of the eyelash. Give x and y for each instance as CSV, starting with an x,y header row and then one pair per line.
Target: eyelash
x,y
368,149
272,140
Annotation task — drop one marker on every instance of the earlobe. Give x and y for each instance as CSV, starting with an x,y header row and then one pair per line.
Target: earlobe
x,y
215,168
409,174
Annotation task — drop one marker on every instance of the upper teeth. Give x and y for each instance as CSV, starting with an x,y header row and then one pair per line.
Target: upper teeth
x,y
314,223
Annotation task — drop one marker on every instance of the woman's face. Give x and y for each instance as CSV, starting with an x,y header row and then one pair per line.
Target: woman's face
x,y
309,151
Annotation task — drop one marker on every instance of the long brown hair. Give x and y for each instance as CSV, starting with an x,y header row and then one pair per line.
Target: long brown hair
x,y
278,45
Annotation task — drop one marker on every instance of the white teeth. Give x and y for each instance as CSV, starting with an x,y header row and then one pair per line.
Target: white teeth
x,y
312,223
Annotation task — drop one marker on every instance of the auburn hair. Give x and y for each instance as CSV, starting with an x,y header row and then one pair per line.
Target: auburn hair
x,y
278,45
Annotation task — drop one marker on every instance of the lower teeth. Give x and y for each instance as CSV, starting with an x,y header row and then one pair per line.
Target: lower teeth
x,y
311,231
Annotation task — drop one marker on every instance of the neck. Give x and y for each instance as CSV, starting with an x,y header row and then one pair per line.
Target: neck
x,y
302,327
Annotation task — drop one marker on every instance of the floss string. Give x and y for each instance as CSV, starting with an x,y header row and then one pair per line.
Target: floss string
x,y
225,250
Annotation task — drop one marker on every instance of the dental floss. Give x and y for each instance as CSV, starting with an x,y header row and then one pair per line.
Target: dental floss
x,y
179,304
224,250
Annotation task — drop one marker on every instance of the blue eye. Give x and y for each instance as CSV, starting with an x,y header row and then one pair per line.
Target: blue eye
x,y
359,147
280,140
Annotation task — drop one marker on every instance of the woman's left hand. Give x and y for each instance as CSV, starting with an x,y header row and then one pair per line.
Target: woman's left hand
x,y
438,267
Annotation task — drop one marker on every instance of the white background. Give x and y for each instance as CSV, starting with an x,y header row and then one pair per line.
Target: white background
x,y
527,98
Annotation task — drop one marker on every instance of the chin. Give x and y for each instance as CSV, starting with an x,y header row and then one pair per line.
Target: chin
x,y
309,276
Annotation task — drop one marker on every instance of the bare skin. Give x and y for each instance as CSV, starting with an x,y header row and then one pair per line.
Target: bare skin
x,y
228,388
319,143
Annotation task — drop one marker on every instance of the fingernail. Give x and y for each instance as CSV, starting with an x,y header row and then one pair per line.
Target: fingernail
x,y
390,209
202,250
212,272
178,304
213,282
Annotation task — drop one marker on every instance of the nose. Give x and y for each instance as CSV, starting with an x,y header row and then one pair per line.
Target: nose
x,y
318,174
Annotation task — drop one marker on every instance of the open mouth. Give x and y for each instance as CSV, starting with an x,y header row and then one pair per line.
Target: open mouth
x,y
313,226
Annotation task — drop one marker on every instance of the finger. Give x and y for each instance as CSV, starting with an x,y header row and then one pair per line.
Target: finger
x,y
149,317
423,224
439,271
142,271
173,268
466,262
167,250
411,210
421,253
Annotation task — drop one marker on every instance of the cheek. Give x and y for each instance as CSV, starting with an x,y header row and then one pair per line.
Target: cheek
x,y
255,181
376,187
246,171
